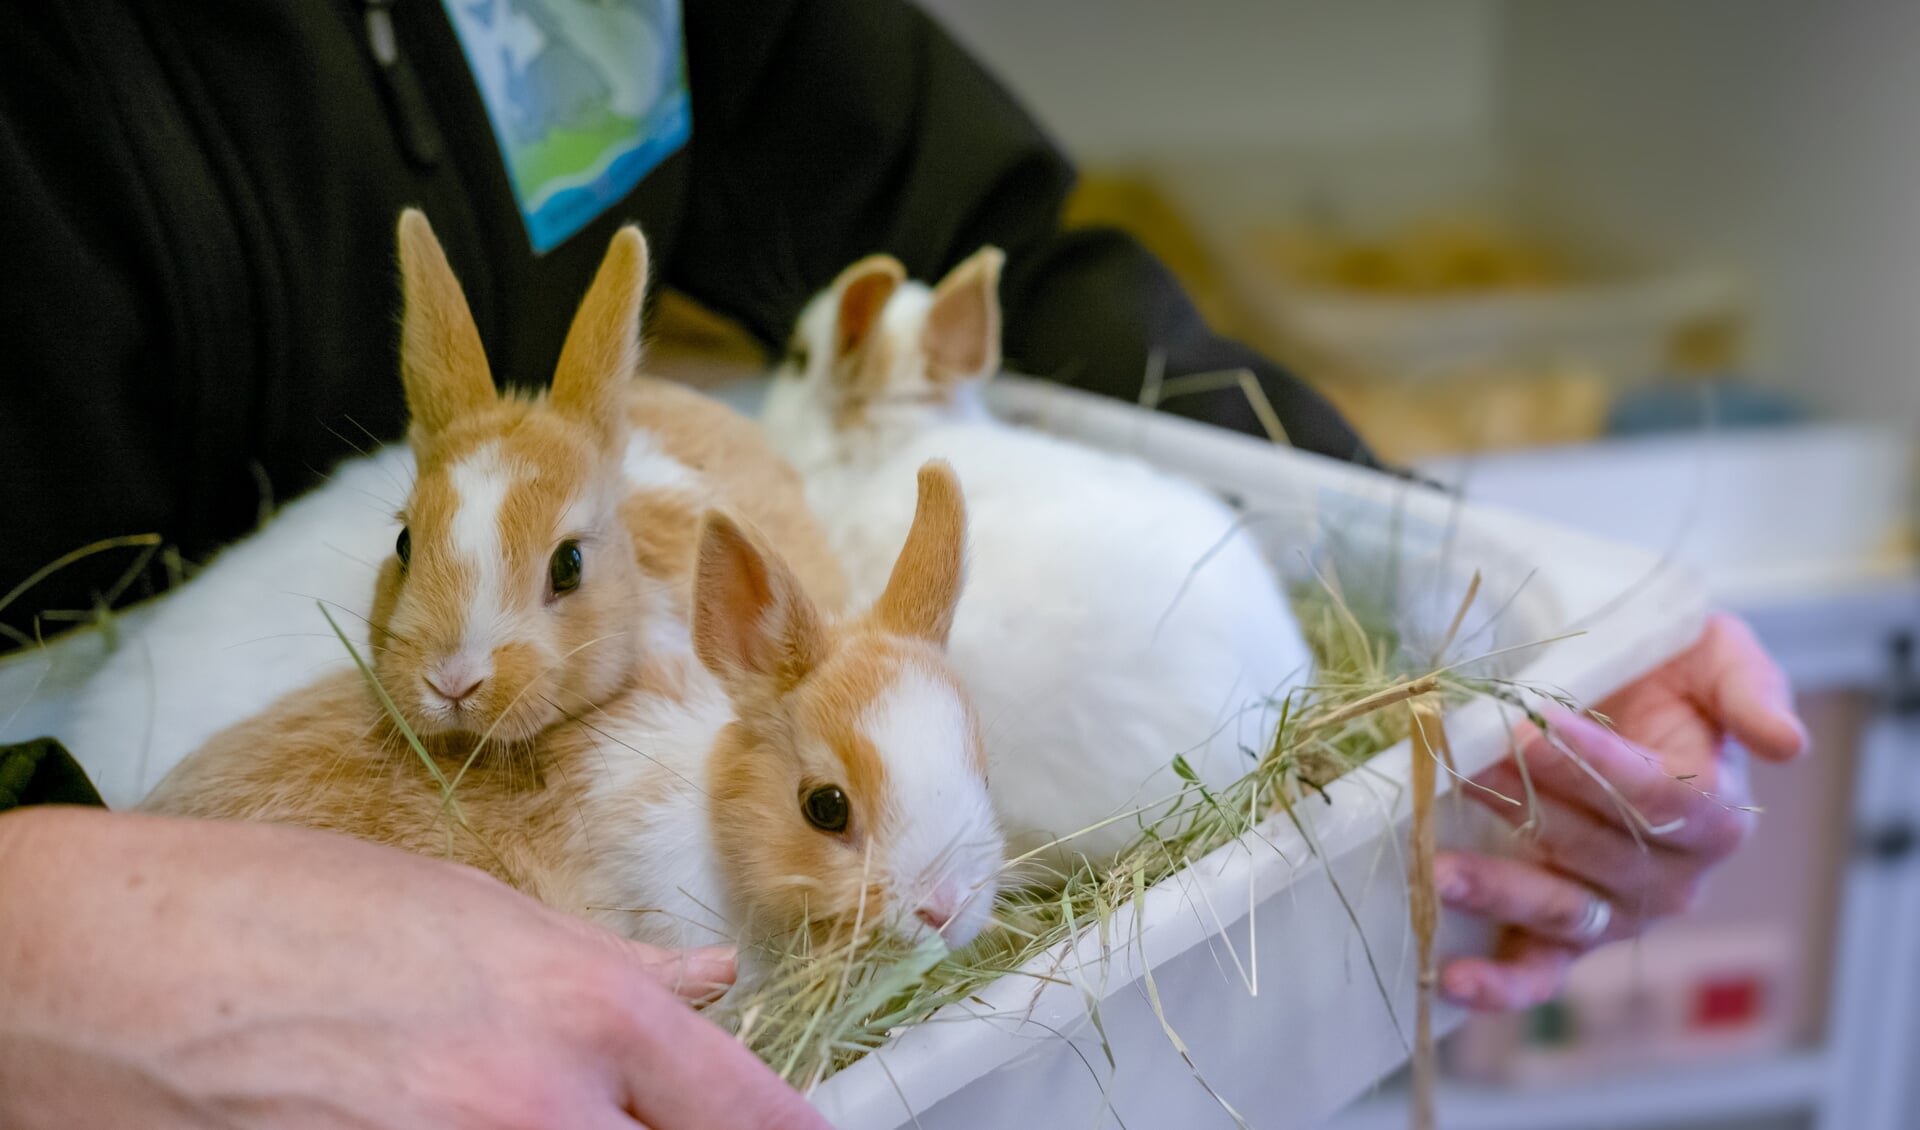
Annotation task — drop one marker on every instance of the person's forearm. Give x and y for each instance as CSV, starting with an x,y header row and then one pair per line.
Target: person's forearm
x,y
48,1080
175,973
49,1084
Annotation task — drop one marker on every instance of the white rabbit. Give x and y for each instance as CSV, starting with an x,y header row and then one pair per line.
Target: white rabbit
x,y
1115,616
242,632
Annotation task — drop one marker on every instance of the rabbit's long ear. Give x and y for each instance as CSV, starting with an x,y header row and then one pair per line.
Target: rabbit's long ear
x,y
442,363
861,293
753,625
927,577
962,335
602,353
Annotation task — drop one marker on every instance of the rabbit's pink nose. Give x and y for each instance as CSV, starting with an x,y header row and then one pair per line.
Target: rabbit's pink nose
x,y
939,907
457,678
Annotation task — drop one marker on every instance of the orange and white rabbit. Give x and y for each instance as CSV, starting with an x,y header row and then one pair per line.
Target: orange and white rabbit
x,y
556,517
832,773
631,705
1117,616
246,630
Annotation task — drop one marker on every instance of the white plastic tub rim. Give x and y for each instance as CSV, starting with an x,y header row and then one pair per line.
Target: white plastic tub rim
x,y
1023,1051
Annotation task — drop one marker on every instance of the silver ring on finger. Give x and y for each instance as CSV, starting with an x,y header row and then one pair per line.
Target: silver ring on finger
x,y
1595,920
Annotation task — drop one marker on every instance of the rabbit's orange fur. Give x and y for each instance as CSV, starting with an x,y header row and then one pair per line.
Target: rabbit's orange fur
x,y
328,757
732,457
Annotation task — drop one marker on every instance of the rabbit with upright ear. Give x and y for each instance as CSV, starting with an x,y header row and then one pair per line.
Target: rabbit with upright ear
x,y
837,766
518,509
1116,617
539,527
654,740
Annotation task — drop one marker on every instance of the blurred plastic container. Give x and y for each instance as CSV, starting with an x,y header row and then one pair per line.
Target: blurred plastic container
x,y
1440,296
1693,406
1625,328
1444,332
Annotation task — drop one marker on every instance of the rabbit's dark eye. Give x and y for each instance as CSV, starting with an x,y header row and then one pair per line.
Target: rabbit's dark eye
x,y
826,808
403,547
563,571
797,357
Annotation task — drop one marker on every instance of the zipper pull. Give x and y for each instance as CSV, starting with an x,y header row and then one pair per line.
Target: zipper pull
x,y
399,87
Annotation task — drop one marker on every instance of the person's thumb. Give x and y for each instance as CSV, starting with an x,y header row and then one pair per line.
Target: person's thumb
x,y
697,975
1749,692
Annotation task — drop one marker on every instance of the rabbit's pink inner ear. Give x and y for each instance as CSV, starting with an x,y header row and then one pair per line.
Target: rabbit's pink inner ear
x,y
602,352
928,576
753,625
864,289
962,335
443,366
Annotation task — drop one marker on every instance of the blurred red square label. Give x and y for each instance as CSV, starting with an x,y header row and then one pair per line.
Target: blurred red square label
x,y
1727,1002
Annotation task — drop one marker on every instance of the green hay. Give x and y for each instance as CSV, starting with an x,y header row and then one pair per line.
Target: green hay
x,y
149,544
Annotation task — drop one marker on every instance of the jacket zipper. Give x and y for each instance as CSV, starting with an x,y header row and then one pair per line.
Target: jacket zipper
x,y
400,87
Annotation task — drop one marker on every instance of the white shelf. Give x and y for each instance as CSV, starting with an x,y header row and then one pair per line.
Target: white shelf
x,y
1782,1085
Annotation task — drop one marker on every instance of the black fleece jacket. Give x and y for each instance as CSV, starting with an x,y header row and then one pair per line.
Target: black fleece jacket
x,y
196,250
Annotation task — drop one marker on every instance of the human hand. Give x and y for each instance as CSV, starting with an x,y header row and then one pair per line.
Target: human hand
x,y
1584,878
175,973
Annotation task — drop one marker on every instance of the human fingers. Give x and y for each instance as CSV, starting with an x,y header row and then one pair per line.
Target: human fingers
x,y
1528,972
697,975
1643,879
681,1072
1583,764
1515,893
1744,691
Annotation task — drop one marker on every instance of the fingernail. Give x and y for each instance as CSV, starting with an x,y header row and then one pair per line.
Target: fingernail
x,y
1805,738
1459,986
710,957
1450,882
1539,743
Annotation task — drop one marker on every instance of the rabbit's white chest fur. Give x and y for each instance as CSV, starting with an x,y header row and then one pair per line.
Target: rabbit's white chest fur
x,y
1112,619
649,869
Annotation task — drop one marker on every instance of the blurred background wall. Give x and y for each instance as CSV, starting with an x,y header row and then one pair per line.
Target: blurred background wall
x,y
1644,266
1128,77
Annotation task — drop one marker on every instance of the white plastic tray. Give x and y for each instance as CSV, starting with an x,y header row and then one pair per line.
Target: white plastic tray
x,y
1319,1032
